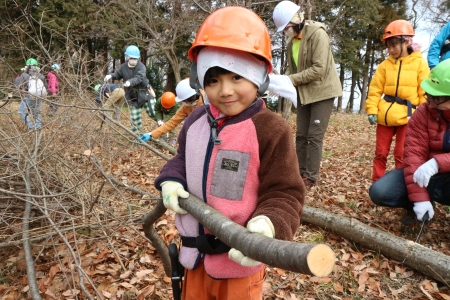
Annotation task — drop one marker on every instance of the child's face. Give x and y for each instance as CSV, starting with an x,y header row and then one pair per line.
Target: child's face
x,y
396,48
231,93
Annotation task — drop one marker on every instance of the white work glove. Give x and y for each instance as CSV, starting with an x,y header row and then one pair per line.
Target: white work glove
x,y
423,174
171,190
126,84
421,208
281,85
107,77
160,122
259,224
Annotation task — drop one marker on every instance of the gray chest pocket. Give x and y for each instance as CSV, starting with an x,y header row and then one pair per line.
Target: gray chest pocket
x,y
229,174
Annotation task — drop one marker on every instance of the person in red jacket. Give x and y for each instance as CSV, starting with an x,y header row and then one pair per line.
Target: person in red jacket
x,y
425,176
52,90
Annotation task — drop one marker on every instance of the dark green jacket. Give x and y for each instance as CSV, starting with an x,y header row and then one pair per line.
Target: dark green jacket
x,y
164,114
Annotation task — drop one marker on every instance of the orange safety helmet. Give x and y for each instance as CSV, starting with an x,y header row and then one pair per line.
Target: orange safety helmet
x,y
168,100
234,27
398,28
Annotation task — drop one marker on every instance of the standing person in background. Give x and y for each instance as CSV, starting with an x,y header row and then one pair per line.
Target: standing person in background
x,y
52,91
398,78
312,71
137,94
113,95
189,100
33,87
165,108
440,47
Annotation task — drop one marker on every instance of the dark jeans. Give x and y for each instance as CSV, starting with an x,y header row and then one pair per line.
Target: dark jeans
x,y
390,190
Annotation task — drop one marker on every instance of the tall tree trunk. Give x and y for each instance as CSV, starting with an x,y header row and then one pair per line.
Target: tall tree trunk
x,y
342,79
282,69
105,56
365,85
352,92
287,106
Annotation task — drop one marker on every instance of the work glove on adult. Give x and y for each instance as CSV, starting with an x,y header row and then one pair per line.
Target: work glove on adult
x,y
373,119
171,190
283,86
145,137
160,122
423,174
259,224
421,208
126,83
107,77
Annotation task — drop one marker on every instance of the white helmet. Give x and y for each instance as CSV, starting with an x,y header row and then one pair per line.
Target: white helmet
x,y
184,90
283,13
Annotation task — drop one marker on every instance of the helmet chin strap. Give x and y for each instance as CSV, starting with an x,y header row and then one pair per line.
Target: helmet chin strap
x,y
263,87
193,79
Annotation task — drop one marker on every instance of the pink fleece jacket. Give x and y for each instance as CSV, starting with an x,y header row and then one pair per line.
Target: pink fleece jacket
x,y
253,172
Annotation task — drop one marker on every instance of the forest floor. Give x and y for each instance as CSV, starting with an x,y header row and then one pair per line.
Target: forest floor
x,y
122,264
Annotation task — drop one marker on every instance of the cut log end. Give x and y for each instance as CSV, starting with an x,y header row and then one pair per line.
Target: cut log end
x,y
320,260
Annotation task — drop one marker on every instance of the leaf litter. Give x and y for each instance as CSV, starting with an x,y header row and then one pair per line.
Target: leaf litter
x,y
124,265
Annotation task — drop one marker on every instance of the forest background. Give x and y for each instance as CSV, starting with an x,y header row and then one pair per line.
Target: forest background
x,y
72,195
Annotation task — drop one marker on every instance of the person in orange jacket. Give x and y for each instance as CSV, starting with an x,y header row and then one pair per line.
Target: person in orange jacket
x,y
394,93
189,100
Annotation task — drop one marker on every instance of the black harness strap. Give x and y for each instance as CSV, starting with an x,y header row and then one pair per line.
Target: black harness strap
x,y
402,102
206,243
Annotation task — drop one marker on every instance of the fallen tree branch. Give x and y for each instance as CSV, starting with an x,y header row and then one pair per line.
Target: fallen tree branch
x,y
431,263
111,178
106,116
29,260
311,259
147,223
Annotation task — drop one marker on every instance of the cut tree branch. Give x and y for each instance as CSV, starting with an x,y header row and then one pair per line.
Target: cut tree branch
x,y
429,262
311,259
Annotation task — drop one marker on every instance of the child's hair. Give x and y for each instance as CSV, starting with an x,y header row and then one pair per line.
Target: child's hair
x,y
395,40
213,73
192,98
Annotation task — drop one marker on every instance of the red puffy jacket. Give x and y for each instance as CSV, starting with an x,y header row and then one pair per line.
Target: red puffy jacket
x,y
427,136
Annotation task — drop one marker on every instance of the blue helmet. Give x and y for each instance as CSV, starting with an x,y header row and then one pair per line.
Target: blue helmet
x,y
133,51
56,66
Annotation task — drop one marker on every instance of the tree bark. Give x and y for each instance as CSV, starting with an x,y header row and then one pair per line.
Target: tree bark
x,y
150,232
431,263
311,259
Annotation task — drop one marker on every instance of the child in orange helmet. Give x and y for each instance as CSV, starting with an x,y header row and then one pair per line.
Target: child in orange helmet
x,y
395,92
165,108
226,151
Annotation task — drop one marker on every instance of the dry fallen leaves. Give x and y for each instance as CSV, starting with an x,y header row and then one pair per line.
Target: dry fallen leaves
x,y
125,263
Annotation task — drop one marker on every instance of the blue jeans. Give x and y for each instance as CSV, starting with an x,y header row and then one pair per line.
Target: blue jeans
x,y
33,106
390,190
